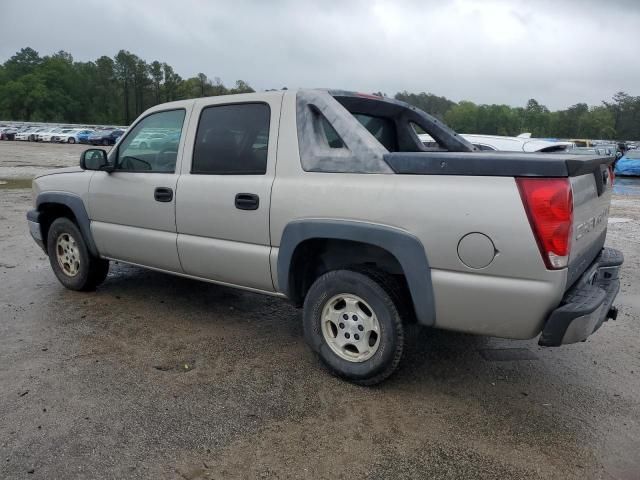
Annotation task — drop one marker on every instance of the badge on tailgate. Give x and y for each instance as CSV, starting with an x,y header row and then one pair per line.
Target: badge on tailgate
x,y
591,224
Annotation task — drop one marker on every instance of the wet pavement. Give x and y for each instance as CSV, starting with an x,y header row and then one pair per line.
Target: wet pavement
x,y
154,376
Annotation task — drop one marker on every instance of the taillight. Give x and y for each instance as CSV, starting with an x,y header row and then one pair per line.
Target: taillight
x,y
549,206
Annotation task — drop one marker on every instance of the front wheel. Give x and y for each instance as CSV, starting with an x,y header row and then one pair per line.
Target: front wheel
x,y
70,259
352,321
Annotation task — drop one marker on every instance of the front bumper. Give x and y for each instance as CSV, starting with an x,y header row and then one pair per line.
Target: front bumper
x,y
587,304
33,220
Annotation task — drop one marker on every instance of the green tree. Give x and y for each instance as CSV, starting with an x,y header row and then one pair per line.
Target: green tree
x,y
157,76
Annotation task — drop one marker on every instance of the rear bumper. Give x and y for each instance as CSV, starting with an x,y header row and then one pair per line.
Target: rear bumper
x,y
587,304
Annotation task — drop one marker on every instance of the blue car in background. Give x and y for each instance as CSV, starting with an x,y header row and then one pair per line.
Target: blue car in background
x,y
105,137
629,164
83,137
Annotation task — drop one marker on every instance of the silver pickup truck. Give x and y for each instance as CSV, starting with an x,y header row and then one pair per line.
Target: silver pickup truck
x,y
330,199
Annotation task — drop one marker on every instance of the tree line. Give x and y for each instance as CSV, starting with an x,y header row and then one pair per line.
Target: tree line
x,y
615,119
114,90
55,88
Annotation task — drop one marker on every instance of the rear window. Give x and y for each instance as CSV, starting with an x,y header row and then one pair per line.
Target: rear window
x,y
382,128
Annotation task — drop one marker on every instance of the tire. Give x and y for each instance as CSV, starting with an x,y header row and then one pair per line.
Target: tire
x,y
71,140
70,259
367,358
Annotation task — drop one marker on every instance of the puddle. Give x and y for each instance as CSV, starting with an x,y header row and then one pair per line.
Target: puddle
x,y
626,186
14,183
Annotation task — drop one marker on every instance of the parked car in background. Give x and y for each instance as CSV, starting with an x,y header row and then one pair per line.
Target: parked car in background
x,y
168,141
105,137
629,164
25,135
83,137
144,141
47,134
62,133
500,143
590,151
582,142
33,136
8,133
607,149
70,136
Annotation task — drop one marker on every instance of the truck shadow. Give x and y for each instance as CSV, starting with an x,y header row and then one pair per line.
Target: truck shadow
x,y
428,352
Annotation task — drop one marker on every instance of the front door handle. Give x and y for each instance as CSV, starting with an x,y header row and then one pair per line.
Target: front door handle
x,y
247,201
163,194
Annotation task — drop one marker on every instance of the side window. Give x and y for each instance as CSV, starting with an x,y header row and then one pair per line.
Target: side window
x,y
152,145
232,140
333,139
382,128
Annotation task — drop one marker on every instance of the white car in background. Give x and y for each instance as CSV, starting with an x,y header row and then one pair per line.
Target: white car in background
x,y
47,134
146,139
70,136
521,143
25,135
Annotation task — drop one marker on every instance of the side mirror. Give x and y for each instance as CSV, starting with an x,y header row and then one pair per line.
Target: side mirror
x,y
95,159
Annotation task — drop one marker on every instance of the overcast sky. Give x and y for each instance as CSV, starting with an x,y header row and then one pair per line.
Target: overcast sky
x,y
560,52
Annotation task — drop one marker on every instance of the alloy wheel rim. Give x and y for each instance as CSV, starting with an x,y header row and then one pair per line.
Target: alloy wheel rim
x,y
68,254
350,327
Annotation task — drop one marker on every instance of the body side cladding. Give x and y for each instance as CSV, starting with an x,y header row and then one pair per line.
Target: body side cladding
x,y
406,248
76,205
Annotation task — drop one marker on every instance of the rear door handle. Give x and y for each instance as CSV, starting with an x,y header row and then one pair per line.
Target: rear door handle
x,y
247,201
163,194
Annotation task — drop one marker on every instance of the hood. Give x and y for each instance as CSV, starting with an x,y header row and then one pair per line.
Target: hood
x,y
60,170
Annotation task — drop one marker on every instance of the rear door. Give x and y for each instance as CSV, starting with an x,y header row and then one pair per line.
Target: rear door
x,y
224,192
132,209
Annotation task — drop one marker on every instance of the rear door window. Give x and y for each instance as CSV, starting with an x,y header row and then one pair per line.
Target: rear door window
x,y
232,140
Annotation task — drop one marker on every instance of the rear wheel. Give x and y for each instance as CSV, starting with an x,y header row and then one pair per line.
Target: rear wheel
x,y
352,321
70,259
71,140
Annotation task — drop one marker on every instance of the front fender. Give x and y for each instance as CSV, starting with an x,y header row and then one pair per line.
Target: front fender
x,y
76,205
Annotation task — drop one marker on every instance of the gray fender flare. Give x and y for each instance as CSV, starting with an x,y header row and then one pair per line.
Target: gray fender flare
x,y
76,205
406,248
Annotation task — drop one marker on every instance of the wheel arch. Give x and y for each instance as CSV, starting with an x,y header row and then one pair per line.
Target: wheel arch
x,y
52,205
393,247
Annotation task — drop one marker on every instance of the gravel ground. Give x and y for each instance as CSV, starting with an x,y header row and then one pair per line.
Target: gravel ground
x,y
154,376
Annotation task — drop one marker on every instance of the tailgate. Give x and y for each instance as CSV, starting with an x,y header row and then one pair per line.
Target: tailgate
x,y
591,186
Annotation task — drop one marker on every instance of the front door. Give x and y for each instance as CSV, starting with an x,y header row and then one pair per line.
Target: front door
x,y
224,192
132,209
